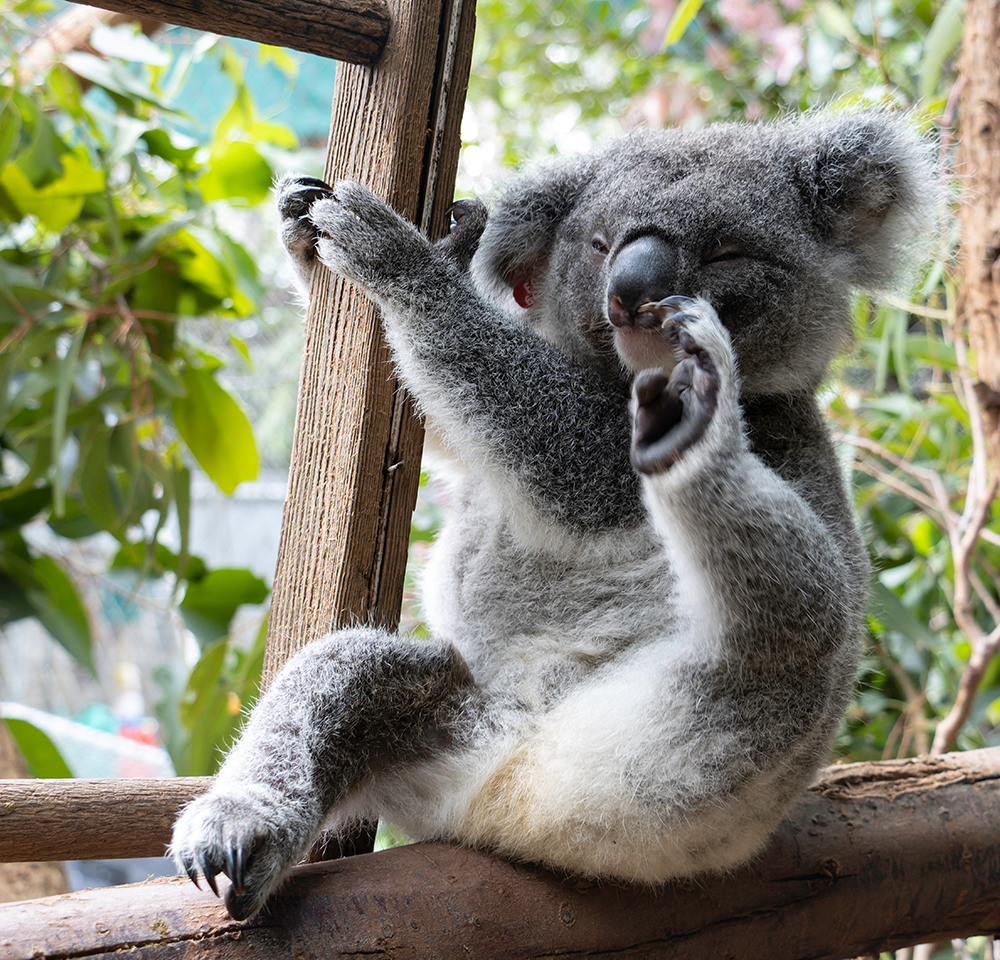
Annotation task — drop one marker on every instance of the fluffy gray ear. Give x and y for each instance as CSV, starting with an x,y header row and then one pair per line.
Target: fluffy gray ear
x,y
870,181
522,226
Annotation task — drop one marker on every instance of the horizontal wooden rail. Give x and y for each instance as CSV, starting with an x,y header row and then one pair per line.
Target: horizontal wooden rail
x,y
90,819
875,857
351,30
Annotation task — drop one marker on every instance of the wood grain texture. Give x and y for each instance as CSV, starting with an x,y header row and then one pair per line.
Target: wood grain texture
x,y
875,857
90,819
354,31
979,167
357,446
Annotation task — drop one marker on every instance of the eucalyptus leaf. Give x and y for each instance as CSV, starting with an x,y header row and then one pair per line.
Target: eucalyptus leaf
x,y
216,430
42,755
60,610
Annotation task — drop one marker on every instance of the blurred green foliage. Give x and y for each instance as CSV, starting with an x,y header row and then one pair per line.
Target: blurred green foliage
x,y
110,238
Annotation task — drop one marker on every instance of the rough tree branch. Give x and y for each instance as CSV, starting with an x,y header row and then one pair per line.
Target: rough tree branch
x,y
876,857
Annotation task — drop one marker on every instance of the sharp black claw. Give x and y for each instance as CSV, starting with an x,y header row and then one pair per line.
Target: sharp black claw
x,y
677,302
209,870
234,868
193,874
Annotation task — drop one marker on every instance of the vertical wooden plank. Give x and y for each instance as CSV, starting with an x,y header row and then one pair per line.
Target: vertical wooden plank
x,y
356,452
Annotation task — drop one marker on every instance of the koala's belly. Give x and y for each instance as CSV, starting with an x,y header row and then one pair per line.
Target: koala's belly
x,y
551,608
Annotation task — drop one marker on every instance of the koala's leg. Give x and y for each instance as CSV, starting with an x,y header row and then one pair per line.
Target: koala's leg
x,y
353,699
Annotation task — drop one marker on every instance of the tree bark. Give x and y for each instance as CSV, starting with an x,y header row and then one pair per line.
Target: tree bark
x,y
875,857
979,168
90,819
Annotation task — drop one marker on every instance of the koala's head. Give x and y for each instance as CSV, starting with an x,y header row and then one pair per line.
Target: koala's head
x,y
773,224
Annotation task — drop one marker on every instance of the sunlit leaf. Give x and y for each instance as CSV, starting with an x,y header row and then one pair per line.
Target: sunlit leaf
x,y
686,11
57,203
43,757
237,171
216,430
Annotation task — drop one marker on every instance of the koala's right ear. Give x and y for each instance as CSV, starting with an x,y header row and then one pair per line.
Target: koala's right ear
x,y
514,250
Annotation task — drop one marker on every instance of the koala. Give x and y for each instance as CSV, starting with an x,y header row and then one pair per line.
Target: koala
x,y
647,597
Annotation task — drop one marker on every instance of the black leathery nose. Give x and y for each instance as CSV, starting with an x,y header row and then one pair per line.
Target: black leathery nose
x,y
644,271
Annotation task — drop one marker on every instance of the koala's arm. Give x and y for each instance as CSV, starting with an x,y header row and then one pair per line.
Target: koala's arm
x,y
506,402
765,549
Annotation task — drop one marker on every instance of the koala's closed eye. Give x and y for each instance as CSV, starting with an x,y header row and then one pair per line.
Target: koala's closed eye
x,y
725,253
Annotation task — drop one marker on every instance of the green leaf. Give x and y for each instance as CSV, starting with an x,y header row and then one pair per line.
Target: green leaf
x,y
942,40
60,610
210,603
686,11
161,144
60,408
17,508
44,758
115,78
40,163
237,171
216,430
60,202
74,524
10,131
888,609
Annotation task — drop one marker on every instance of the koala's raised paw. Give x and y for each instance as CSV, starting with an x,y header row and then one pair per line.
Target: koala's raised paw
x,y
244,837
672,412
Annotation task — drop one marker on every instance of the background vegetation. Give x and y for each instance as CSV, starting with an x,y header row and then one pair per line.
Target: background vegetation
x,y
113,242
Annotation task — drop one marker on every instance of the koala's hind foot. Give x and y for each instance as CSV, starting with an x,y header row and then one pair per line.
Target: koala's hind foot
x,y
247,832
672,412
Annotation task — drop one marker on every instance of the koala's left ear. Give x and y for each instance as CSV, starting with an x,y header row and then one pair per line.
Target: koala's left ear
x,y
514,250
870,181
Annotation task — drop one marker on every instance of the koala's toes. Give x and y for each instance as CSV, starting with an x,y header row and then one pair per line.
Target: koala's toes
x,y
236,837
296,193
468,223
671,413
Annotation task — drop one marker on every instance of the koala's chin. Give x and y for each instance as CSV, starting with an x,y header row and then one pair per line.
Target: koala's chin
x,y
642,349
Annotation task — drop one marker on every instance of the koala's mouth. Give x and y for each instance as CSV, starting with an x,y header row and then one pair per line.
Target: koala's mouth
x,y
639,338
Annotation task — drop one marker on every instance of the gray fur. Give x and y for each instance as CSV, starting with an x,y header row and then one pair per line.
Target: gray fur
x,y
634,671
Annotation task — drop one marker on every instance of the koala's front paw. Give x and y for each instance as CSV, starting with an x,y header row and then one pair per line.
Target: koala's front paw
x,y
468,223
295,195
363,238
251,839
671,413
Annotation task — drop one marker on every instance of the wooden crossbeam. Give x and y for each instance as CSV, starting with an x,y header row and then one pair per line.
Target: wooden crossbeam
x,y
354,31
90,819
